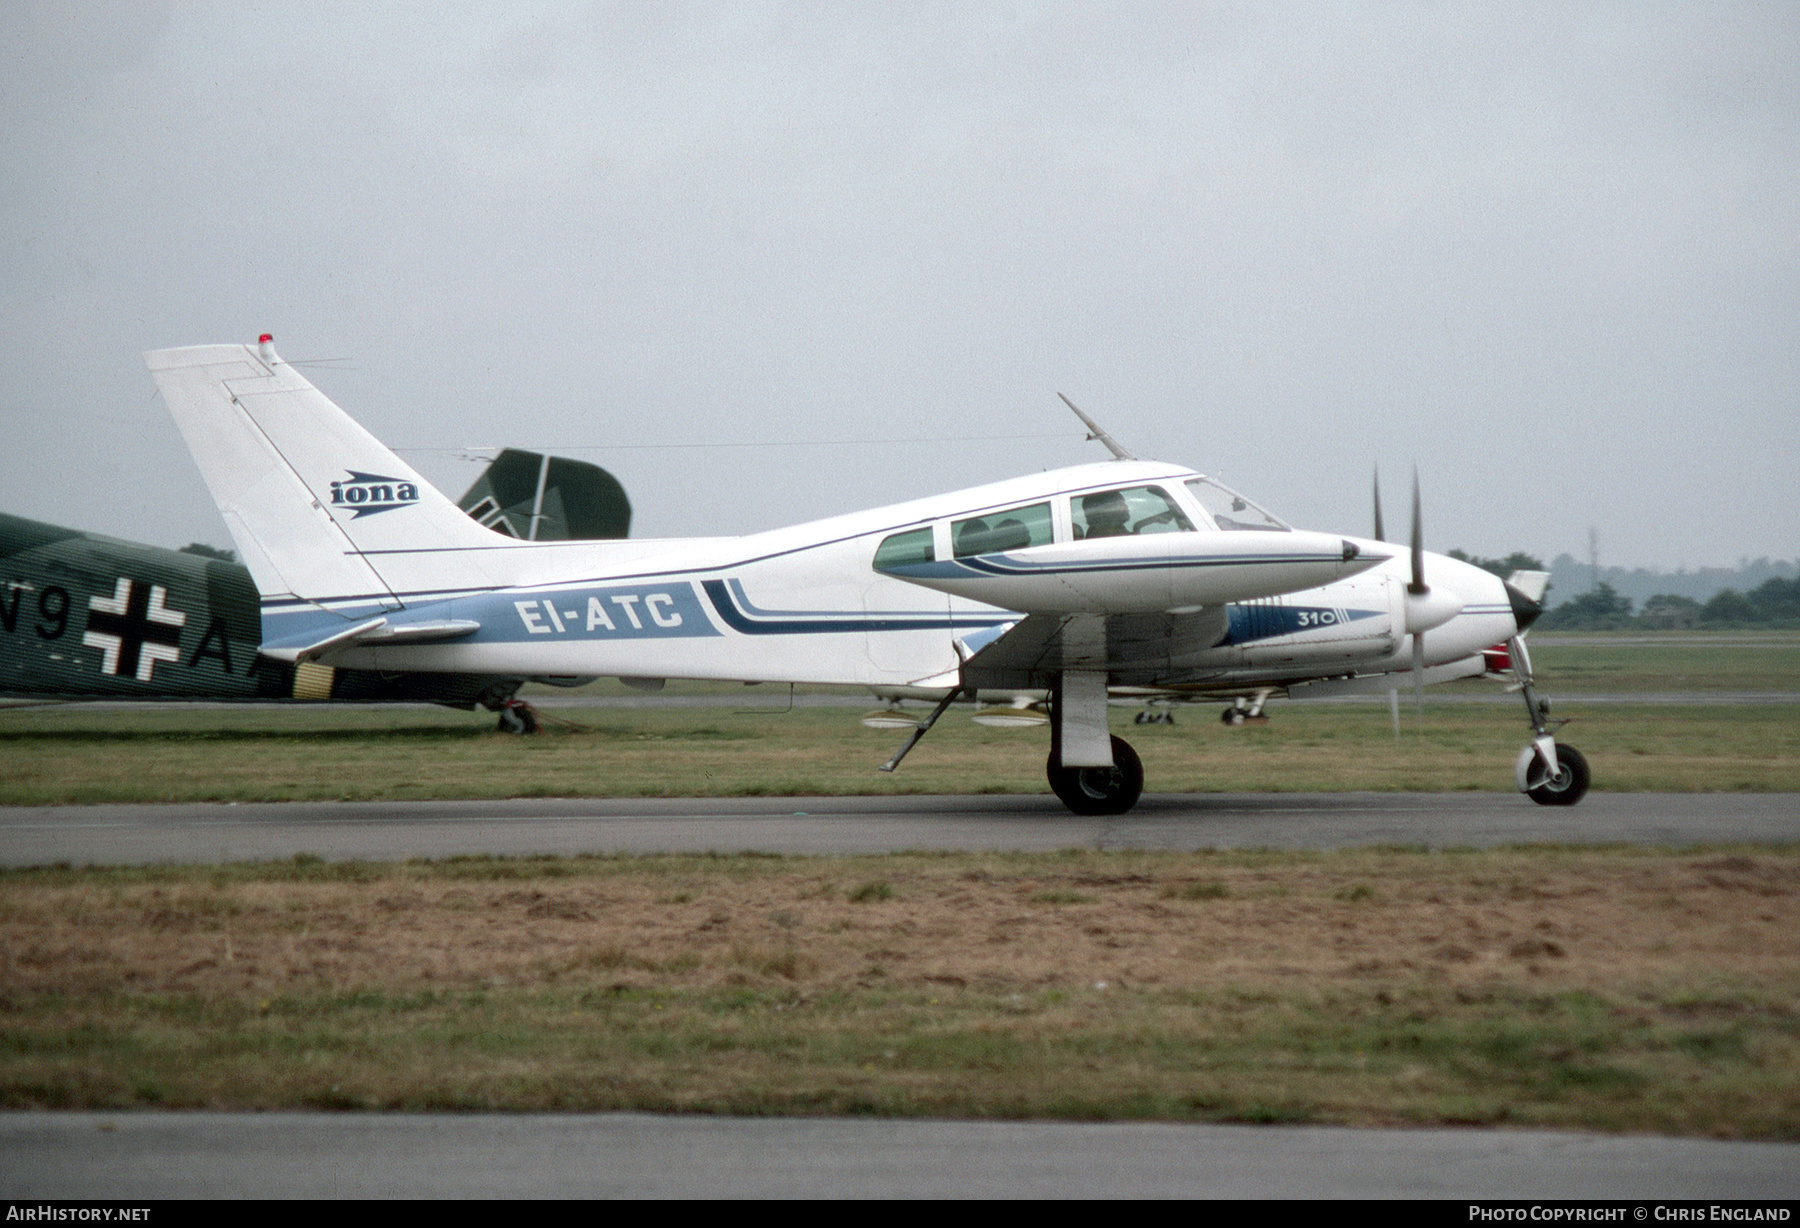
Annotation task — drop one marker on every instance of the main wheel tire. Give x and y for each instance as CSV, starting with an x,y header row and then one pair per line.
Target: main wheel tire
x,y
1569,785
1090,791
518,718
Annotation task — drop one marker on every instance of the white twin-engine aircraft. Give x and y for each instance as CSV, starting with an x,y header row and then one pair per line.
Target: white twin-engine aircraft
x,y
1124,575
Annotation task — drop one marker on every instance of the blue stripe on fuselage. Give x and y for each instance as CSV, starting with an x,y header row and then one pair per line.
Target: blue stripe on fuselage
x,y
1261,622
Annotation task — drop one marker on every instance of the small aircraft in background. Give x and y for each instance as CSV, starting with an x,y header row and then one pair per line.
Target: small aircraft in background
x,y
89,617
1125,576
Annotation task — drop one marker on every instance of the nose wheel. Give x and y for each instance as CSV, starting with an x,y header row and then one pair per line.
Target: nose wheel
x,y
1563,787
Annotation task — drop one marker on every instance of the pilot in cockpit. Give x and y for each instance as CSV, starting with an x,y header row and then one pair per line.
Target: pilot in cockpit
x,y
1106,514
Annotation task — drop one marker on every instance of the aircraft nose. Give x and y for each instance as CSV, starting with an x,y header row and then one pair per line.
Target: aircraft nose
x,y
1525,610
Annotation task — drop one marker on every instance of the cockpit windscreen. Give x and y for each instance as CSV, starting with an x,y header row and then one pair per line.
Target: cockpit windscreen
x,y
1231,510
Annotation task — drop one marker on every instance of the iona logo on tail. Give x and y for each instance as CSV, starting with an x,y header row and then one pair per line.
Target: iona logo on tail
x,y
364,494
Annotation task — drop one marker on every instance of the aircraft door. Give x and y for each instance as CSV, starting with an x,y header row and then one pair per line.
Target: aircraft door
x,y
907,626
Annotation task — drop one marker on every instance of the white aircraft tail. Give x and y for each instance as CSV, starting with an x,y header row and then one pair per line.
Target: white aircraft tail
x,y
319,508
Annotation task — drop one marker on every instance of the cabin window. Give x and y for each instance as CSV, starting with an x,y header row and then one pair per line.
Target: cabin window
x,y
902,549
1013,529
1231,510
1126,513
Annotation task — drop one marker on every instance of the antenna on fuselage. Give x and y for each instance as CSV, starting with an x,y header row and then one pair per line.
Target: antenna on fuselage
x,y
1095,432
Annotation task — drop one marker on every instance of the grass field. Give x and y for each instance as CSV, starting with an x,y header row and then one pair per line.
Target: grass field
x,y
1727,661
291,753
1604,989
65,754
78,754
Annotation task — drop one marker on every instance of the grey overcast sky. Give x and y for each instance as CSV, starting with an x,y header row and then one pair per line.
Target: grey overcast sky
x,y
1550,252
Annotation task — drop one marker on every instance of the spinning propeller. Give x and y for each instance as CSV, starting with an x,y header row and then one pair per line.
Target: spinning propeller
x,y
1424,607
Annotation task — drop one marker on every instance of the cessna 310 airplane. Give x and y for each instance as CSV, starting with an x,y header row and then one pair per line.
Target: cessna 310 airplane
x,y
1122,575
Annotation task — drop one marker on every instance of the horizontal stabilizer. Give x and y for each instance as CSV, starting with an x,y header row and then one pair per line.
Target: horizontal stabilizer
x,y
373,633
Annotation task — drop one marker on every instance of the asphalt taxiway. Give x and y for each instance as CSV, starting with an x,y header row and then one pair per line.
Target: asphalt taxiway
x,y
157,1155
388,831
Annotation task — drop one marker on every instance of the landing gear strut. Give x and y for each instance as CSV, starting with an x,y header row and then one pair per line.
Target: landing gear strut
x,y
1549,772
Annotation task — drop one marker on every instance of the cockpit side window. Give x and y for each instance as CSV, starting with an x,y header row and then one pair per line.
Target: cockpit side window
x,y
1013,529
1231,510
913,546
1125,513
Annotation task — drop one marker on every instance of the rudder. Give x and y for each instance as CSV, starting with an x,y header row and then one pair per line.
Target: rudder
x,y
319,508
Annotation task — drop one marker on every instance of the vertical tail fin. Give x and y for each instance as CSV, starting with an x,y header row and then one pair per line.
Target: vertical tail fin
x,y
319,508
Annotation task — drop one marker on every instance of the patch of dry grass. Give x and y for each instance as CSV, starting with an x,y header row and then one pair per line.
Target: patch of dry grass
x,y
1601,989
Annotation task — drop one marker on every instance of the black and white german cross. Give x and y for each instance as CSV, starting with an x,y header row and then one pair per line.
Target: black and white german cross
x,y
134,629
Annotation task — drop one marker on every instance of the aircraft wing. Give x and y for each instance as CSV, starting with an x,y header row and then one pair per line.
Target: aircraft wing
x,y
1134,649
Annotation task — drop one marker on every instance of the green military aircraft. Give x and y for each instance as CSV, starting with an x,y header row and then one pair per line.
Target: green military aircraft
x,y
89,617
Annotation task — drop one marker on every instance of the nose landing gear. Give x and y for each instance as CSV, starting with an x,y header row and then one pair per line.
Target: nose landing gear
x,y
1549,772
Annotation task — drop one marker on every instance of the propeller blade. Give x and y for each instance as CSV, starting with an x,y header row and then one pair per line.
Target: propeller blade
x,y
1380,535
1418,673
1394,708
1418,587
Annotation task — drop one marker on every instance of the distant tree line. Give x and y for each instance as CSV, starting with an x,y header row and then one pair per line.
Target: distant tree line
x,y
1518,560
1644,585
1773,603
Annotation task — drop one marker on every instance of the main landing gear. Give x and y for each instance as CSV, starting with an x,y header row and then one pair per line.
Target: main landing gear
x,y
1098,790
1549,772
517,716
1088,790
1242,713
1106,775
